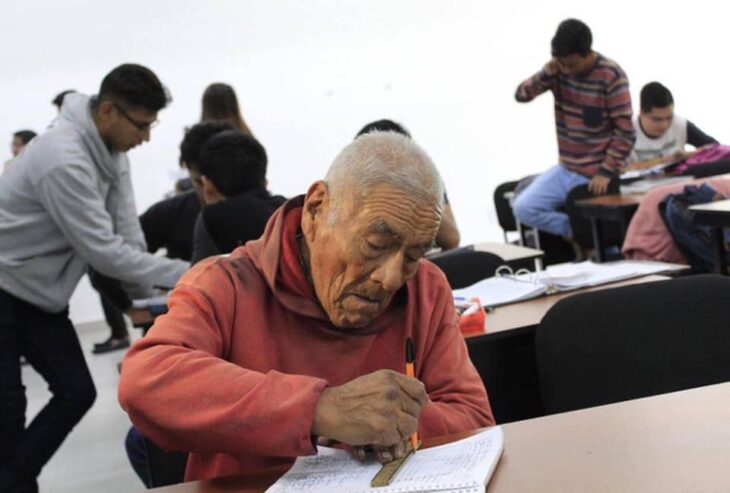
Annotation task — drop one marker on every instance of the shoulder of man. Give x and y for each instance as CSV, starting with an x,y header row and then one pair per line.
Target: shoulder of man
x,y
58,147
609,69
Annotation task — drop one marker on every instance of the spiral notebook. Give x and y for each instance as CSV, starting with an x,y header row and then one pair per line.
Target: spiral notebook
x,y
464,466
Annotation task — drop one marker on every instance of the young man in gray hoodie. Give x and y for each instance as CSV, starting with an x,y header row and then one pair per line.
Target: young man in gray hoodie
x,y
67,205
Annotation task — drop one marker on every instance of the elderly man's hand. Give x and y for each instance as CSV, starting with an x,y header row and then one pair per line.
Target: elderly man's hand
x,y
379,409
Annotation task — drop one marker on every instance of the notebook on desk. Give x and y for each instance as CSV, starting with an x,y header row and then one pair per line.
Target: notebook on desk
x,y
503,290
464,466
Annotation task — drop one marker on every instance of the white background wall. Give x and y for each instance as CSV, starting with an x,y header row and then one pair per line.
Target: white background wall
x,y
310,74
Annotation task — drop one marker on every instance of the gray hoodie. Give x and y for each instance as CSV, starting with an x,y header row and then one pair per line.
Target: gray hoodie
x,y
66,203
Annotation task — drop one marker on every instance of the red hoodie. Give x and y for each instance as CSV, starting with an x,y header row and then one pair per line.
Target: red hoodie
x,y
233,372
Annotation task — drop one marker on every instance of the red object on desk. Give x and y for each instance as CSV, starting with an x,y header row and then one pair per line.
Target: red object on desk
x,y
472,317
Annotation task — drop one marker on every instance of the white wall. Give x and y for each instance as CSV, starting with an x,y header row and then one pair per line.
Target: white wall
x,y
310,74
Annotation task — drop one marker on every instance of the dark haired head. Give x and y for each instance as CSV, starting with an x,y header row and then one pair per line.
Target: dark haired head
x,y
383,126
655,95
58,100
573,37
25,136
234,162
134,86
221,104
194,140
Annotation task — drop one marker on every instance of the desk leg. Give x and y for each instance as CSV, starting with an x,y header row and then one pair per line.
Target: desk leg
x,y
718,244
596,229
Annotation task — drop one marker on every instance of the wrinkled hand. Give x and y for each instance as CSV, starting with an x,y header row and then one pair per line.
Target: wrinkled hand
x,y
551,68
383,454
379,409
599,185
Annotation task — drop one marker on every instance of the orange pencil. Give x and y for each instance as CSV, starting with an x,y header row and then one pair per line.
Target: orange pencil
x,y
411,372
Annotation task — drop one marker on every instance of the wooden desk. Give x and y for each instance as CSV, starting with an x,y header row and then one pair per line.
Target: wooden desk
x,y
717,216
515,256
674,442
616,208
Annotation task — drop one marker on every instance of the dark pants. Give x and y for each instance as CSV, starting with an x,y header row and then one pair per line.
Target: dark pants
x,y
113,300
49,343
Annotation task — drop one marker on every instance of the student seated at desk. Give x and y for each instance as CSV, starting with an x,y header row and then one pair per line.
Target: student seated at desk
x,y
448,236
660,133
233,178
593,123
300,335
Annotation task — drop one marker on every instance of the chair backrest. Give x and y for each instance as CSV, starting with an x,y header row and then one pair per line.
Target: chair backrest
x,y
505,217
465,267
582,233
634,341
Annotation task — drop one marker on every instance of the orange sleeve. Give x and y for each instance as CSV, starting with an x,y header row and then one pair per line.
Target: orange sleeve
x,y
181,393
457,398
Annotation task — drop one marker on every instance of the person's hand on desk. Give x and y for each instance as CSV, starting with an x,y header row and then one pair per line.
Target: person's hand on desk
x,y
380,409
599,184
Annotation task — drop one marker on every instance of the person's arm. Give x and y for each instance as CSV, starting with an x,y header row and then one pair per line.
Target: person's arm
x,y
457,399
618,102
182,394
538,83
696,137
70,196
203,244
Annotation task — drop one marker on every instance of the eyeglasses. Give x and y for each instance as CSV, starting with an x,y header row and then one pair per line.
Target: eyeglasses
x,y
142,127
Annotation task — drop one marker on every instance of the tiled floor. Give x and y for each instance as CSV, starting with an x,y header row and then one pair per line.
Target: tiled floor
x,y
92,459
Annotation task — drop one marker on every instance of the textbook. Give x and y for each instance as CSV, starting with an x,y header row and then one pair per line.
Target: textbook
x,y
505,289
464,466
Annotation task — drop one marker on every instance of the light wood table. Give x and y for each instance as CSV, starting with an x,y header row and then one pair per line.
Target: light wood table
x,y
513,255
678,442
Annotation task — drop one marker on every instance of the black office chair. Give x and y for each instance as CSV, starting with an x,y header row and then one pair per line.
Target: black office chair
x,y
465,266
634,341
505,217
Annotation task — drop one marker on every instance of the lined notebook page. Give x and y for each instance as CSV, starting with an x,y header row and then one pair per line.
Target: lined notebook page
x,y
458,467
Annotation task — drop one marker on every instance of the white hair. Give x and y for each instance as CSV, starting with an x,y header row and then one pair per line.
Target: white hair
x,y
384,158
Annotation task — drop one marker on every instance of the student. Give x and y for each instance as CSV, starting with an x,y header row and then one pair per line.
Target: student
x,y
593,123
659,132
221,104
300,334
167,224
233,178
20,140
448,233
66,206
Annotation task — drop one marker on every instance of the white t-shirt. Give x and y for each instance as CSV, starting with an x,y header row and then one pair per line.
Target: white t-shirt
x,y
673,140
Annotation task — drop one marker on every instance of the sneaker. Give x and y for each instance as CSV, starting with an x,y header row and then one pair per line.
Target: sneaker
x,y
110,344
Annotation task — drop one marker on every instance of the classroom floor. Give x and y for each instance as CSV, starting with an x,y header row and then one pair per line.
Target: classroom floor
x,y
92,459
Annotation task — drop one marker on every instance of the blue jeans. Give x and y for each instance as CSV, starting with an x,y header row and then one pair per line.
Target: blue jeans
x,y
537,205
49,343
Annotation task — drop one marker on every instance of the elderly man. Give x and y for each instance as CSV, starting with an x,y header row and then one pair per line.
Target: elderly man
x,y
300,335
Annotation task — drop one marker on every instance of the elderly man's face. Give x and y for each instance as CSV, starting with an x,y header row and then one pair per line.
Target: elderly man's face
x,y
372,247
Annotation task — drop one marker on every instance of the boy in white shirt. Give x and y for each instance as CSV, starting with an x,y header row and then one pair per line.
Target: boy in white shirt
x,y
660,133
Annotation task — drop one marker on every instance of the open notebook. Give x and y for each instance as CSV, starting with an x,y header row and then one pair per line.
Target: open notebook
x,y
464,466
496,291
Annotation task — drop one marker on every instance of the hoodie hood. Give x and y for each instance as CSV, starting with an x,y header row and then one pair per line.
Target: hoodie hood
x,y
265,253
76,112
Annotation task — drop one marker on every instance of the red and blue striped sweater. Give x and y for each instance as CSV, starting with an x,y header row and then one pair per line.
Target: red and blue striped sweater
x,y
592,116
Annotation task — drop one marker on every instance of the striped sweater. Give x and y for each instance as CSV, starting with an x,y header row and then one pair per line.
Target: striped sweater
x,y
592,116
